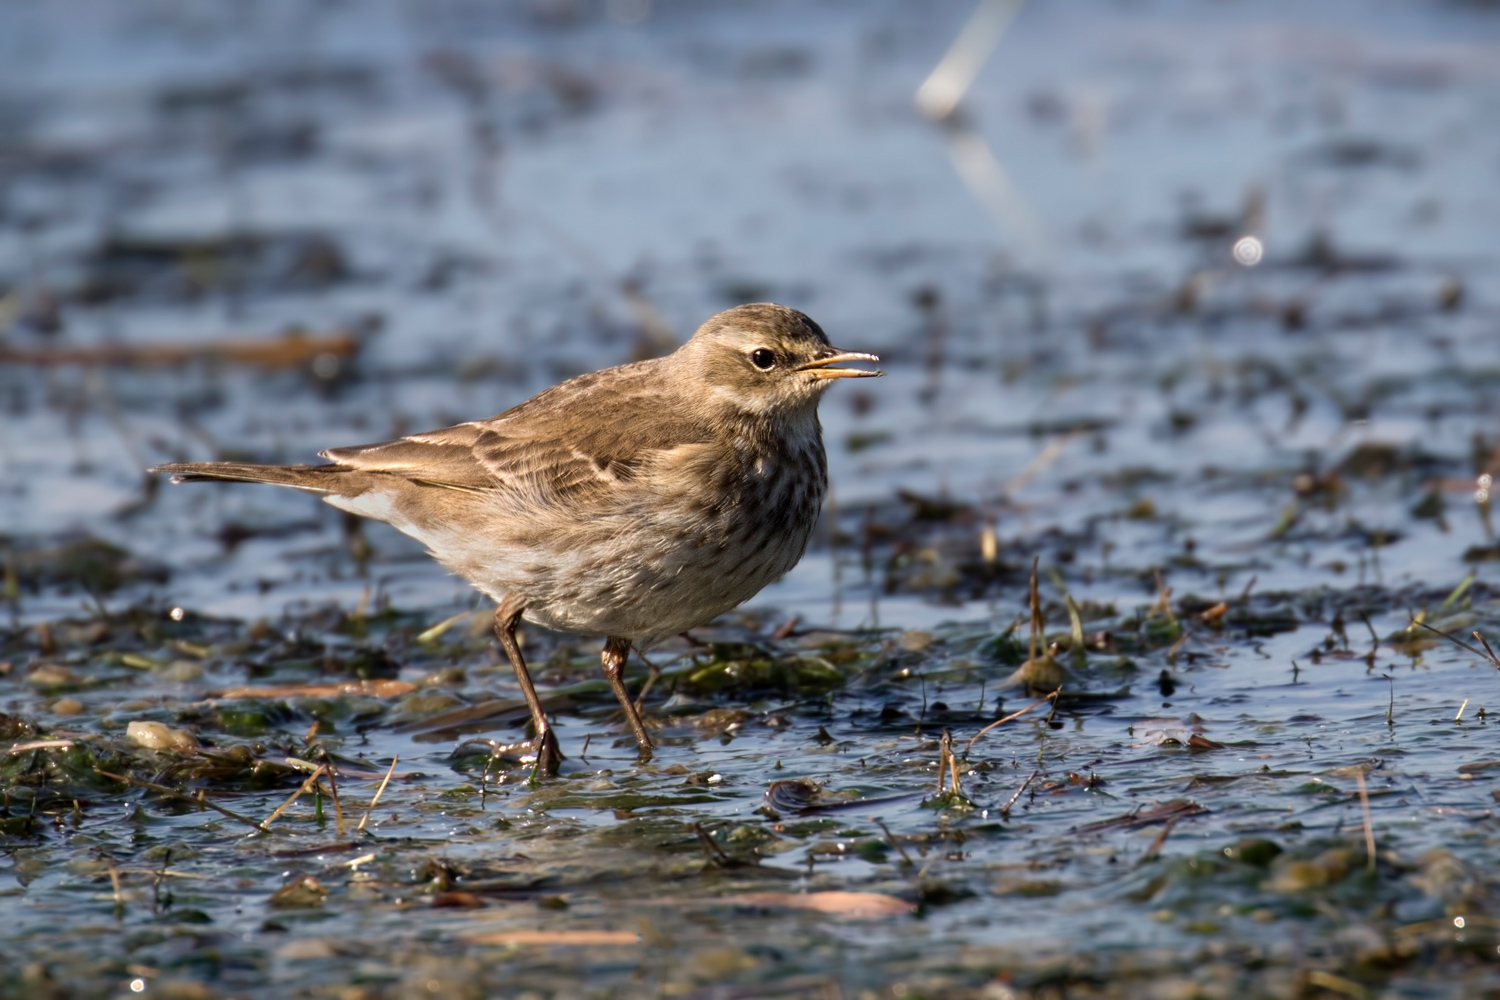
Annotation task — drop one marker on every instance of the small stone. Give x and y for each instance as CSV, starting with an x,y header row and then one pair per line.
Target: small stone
x,y
53,675
915,642
182,671
302,893
158,736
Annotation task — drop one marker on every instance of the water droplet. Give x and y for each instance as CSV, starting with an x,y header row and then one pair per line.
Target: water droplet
x,y
1248,251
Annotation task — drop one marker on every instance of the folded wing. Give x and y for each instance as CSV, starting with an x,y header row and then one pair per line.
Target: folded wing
x,y
578,442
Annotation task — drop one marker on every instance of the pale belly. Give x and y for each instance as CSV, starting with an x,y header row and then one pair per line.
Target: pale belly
x,y
648,578
645,572
650,600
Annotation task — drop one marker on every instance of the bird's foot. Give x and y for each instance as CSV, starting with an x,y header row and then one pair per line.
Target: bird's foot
x,y
548,757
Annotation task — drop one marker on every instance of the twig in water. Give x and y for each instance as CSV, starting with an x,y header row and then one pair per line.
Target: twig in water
x,y
333,793
290,351
1163,599
304,788
496,749
1014,715
1374,639
1486,653
782,631
436,631
114,880
655,674
948,766
1460,716
199,799
1364,805
1161,838
1176,647
716,855
953,769
1458,592
1005,810
1044,458
891,839
378,792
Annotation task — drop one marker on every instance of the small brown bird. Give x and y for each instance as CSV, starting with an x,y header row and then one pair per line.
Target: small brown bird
x,y
632,503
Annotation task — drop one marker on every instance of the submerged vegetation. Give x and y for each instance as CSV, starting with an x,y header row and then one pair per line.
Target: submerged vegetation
x,y
343,798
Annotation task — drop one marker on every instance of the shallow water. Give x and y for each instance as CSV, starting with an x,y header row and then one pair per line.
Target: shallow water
x,y
491,199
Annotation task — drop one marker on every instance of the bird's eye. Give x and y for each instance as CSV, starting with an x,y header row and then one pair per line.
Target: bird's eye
x,y
763,359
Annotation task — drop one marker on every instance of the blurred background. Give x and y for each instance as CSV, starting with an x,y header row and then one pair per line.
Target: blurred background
x,y
1206,286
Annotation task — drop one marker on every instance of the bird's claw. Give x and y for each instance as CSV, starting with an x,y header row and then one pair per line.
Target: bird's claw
x,y
548,757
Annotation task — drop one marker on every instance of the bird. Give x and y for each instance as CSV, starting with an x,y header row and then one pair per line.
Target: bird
x,y
632,503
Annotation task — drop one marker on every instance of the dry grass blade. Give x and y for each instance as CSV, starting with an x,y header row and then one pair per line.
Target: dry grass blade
x,y
890,838
1161,839
951,78
1487,654
290,351
375,689
378,793
1163,599
1364,806
1014,715
948,767
436,632
199,799
585,938
654,672
716,855
333,793
843,904
1163,812
1005,810
1044,458
304,788
1336,984
41,745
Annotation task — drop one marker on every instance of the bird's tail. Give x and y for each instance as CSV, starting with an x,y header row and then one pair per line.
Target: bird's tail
x,y
324,479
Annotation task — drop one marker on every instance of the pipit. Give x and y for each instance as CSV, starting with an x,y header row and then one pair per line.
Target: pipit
x,y
633,503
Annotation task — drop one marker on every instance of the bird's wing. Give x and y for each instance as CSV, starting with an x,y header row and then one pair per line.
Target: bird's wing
x,y
585,438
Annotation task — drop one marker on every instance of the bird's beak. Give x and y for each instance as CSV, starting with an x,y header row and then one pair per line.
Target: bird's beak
x,y
819,369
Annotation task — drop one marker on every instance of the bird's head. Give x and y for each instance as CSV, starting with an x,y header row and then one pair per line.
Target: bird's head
x,y
768,359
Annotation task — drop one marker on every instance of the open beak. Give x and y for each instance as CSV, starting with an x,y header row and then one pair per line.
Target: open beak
x,y
819,369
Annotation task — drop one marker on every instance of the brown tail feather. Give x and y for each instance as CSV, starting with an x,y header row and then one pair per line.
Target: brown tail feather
x,y
316,478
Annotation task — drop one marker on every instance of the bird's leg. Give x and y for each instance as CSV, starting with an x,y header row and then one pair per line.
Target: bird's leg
x,y
615,653
507,616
